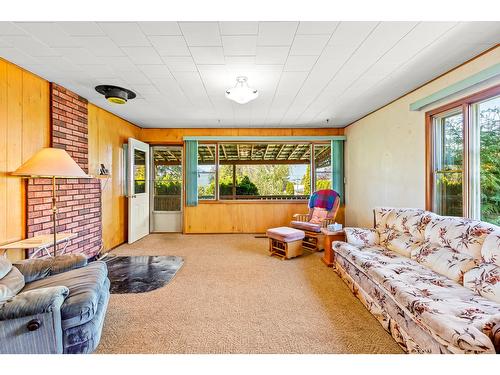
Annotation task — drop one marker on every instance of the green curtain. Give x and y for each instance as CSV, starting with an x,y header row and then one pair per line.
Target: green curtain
x,y
338,168
191,173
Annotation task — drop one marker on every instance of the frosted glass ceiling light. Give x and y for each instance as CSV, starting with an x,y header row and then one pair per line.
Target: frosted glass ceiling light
x,y
241,93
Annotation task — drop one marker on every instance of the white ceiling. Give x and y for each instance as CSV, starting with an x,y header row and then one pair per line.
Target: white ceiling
x,y
306,72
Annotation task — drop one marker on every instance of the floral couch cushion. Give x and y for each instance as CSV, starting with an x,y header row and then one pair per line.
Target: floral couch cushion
x,y
444,260
484,280
361,237
490,252
452,314
401,243
464,235
411,221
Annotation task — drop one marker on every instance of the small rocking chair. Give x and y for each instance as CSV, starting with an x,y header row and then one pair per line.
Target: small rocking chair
x,y
326,199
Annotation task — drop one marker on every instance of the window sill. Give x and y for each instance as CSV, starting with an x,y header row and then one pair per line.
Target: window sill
x,y
255,201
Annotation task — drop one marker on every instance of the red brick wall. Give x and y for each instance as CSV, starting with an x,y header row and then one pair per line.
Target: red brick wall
x,y
78,200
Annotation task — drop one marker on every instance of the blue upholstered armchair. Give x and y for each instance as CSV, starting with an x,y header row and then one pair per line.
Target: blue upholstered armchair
x,y
52,305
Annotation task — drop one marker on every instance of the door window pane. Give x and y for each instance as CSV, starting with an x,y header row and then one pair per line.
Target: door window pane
x,y
448,174
206,171
167,163
139,172
323,166
488,117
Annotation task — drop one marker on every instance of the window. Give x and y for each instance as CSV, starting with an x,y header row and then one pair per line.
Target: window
x,y
262,171
448,159
323,166
207,171
463,162
139,172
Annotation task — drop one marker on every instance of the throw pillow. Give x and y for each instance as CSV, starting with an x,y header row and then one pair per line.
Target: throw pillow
x,y
484,280
318,215
11,284
444,260
5,266
490,252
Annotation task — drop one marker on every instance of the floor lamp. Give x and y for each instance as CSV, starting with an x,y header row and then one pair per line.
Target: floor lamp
x,y
51,163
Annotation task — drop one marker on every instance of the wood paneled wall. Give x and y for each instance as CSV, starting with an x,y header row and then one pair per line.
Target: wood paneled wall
x,y
24,129
107,134
236,217
175,135
244,217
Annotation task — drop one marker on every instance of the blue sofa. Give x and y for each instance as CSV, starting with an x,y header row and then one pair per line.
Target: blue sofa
x,y
52,305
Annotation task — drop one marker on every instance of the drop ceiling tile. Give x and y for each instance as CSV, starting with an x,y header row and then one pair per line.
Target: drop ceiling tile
x,y
79,28
120,63
276,33
143,55
134,78
155,71
201,33
170,45
239,28
78,55
160,28
240,60
59,63
317,27
309,44
351,32
18,57
125,34
300,63
29,45
98,70
9,28
180,63
272,55
207,55
99,45
48,33
241,45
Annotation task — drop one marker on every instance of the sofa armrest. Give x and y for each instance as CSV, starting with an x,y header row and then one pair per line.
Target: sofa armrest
x,y
33,302
362,237
301,217
35,269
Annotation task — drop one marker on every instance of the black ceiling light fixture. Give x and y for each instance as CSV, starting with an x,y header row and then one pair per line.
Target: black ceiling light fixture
x,y
115,94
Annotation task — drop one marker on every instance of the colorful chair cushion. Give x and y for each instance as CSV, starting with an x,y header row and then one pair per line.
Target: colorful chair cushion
x,y
306,225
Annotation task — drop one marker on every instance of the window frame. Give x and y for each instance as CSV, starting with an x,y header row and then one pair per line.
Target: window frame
x,y
465,105
299,200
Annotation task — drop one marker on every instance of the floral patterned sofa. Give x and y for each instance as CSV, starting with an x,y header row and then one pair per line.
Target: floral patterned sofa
x,y
432,281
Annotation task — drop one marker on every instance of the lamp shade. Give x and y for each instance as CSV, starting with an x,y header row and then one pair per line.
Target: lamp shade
x,y
51,162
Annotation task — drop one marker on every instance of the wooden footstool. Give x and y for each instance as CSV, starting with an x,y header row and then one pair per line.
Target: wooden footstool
x,y
285,242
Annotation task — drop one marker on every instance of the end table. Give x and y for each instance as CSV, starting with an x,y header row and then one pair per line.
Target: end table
x,y
328,257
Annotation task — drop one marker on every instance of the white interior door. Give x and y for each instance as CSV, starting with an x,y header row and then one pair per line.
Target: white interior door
x,y
138,189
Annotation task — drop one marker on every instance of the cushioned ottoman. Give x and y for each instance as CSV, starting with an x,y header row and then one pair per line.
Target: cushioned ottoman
x,y
285,242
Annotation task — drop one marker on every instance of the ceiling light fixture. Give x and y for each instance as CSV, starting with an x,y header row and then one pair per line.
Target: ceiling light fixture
x,y
115,94
241,93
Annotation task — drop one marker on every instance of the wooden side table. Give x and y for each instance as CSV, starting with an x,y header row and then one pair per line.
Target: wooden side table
x,y
329,255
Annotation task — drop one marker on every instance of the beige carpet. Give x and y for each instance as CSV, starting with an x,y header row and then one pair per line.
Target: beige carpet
x,y
231,297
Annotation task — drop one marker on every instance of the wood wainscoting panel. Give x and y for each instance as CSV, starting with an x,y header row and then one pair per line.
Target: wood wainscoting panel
x,y
242,217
